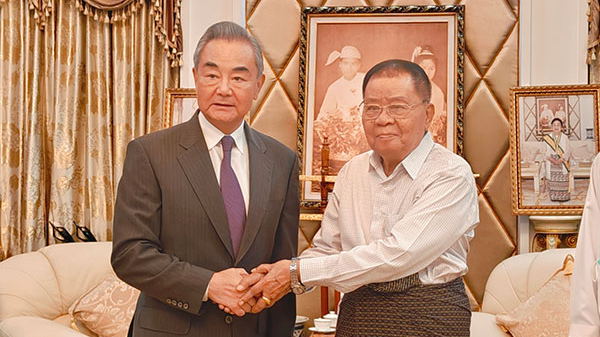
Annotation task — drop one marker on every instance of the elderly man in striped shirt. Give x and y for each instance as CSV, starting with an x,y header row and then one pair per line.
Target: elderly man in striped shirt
x,y
395,234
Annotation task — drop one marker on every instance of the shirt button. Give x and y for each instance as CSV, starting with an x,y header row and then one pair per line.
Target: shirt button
x,y
186,306
179,304
228,319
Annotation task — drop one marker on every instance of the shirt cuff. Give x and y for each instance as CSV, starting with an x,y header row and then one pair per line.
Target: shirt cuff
x,y
205,297
578,330
314,269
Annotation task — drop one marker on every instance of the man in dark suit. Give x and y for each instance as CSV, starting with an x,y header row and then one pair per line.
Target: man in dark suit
x,y
203,202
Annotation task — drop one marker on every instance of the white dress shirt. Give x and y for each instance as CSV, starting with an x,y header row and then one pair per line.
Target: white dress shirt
x,y
240,159
379,228
585,316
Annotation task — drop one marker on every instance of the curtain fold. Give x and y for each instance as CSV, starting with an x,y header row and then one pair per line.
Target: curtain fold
x,y
72,96
22,164
593,40
166,13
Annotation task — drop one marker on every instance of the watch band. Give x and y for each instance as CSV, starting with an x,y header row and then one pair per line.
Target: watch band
x,y
295,284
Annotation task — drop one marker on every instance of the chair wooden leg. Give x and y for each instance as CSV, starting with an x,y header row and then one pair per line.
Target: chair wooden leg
x,y
324,301
336,298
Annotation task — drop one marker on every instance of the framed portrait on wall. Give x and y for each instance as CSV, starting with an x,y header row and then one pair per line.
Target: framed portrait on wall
x,y
340,44
554,138
180,105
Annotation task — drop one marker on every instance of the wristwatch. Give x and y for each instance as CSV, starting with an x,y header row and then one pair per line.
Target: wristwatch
x,y
297,286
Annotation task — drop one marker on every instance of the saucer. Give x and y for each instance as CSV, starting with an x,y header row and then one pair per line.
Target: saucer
x,y
301,319
314,329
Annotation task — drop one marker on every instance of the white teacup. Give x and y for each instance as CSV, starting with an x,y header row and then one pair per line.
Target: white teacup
x,y
332,317
322,324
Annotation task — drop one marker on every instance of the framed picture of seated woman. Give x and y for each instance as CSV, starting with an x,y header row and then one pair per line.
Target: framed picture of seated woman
x,y
554,138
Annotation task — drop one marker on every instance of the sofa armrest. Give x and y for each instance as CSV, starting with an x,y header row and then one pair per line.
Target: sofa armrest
x,y
484,324
23,326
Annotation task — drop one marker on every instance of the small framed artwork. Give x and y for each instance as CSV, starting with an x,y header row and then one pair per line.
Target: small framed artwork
x,y
180,105
554,138
339,45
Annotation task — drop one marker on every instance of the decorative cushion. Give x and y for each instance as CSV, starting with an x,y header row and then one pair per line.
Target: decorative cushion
x,y
107,309
546,313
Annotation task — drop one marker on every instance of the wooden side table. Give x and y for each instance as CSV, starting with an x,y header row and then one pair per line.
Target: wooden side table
x,y
554,231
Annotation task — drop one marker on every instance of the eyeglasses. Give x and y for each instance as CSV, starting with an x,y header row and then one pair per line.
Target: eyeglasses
x,y
397,111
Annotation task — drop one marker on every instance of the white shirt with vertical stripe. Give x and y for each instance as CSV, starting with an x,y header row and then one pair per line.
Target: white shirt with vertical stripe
x,y
239,154
240,162
379,228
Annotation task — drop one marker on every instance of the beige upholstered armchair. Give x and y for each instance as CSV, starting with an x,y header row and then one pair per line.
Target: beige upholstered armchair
x,y
512,283
70,290
532,163
582,155
41,292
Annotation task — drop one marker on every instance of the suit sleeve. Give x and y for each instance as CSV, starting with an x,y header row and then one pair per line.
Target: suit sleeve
x,y
282,315
137,256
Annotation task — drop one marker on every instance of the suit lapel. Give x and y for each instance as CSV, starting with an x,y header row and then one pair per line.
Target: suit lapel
x,y
261,166
198,169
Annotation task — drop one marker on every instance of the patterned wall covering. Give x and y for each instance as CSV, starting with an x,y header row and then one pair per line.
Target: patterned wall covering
x,y
491,67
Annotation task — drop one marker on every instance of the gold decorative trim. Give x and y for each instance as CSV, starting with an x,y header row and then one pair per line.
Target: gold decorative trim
x,y
170,95
108,4
555,224
315,178
174,44
42,9
518,208
456,11
593,30
108,14
171,39
311,217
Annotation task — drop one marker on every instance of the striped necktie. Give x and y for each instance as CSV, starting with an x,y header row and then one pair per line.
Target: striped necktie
x,y
232,196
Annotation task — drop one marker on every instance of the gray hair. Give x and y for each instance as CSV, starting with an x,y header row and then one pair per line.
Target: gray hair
x,y
226,30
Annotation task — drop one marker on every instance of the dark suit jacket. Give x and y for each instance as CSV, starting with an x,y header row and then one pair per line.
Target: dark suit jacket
x,y
171,232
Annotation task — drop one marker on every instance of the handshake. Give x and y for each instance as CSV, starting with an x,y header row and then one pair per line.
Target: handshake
x,y
237,292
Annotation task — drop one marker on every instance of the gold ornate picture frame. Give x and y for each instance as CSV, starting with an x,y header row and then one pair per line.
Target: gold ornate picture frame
x,y
554,138
180,105
329,93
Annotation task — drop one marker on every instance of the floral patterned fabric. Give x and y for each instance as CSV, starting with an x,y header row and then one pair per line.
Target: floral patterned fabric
x,y
546,313
71,97
107,309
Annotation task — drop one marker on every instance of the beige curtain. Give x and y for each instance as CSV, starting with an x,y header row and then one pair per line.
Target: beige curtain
x,y
72,96
22,180
594,40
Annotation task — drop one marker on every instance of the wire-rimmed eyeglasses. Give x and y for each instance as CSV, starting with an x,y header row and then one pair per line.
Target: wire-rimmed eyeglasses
x,y
397,110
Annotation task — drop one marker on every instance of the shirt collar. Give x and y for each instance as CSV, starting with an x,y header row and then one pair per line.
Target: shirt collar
x,y
213,136
412,163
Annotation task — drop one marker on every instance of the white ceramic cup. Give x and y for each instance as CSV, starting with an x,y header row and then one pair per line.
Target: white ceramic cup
x,y
322,324
332,317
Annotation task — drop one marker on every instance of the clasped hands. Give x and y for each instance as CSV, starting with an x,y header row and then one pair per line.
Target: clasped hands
x,y
237,292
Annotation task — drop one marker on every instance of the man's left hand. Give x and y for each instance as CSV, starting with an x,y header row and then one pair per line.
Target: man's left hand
x,y
274,285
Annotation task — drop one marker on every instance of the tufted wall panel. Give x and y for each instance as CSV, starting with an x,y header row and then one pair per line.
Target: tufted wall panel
x,y
491,67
